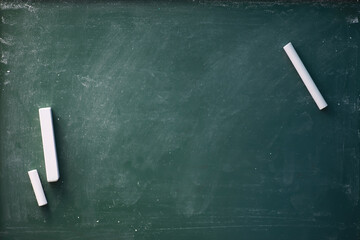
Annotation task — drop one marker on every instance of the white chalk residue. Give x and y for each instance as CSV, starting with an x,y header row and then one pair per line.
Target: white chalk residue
x,y
14,6
4,57
352,20
86,81
3,41
6,41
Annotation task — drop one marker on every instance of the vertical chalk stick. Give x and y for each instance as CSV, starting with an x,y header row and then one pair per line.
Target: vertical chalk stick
x,y
48,140
305,76
37,187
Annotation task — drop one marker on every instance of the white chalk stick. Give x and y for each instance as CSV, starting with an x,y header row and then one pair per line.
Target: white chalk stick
x,y
38,189
48,140
305,76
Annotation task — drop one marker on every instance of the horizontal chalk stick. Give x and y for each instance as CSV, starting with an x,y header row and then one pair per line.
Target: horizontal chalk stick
x,y
48,140
37,187
305,76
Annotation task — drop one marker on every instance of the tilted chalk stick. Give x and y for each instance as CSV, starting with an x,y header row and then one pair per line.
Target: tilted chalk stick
x,y
37,187
305,76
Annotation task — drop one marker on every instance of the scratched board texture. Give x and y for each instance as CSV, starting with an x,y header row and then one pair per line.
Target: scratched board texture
x,y
180,120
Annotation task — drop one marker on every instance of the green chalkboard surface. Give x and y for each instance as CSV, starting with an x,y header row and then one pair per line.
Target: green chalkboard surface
x,y
180,120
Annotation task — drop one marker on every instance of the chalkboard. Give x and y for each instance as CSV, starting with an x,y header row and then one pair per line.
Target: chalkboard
x,y
180,120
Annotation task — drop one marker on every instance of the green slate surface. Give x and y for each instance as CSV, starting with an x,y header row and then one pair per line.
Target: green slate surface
x,y
180,120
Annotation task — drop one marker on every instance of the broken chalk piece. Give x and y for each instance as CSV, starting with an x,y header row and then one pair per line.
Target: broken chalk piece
x,y
48,140
38,189
305,76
